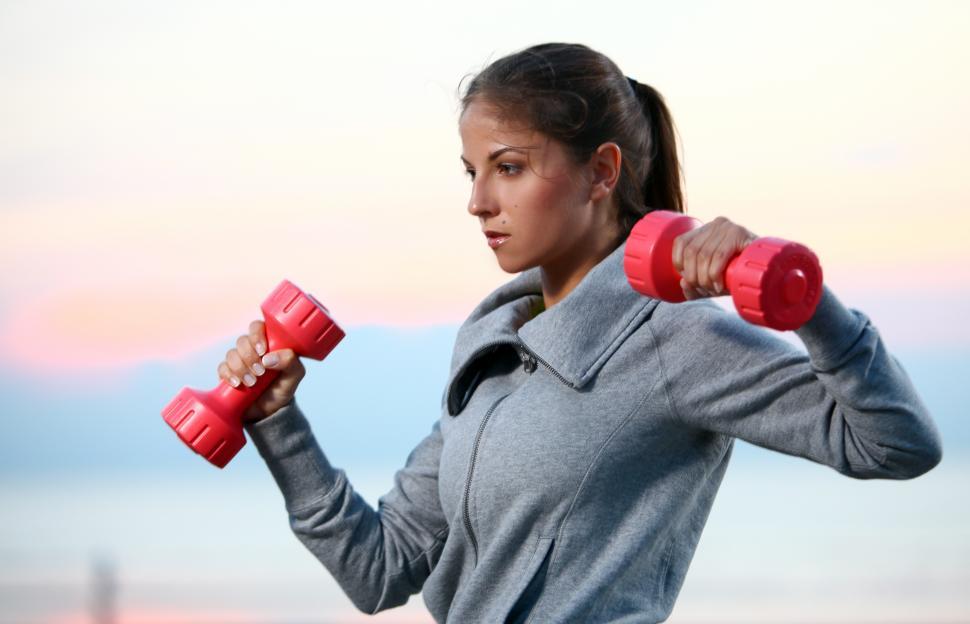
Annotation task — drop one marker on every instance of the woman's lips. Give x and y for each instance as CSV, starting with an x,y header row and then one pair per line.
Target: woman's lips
x,y
495,241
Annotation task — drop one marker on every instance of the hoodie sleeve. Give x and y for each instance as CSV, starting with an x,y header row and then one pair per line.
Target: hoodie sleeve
x,y
379,557
847,403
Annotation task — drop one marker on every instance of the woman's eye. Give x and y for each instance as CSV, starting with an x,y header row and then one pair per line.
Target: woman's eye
x,y
507,168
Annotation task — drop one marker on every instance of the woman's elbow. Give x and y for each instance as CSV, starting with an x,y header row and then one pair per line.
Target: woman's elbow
x,y
917,460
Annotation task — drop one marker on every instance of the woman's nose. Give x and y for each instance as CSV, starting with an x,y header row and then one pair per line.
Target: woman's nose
x,y
479,203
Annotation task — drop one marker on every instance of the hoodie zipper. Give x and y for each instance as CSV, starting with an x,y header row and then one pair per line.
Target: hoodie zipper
x,y
471,470
529,359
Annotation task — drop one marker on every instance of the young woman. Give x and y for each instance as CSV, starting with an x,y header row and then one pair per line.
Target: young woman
x,y
585,428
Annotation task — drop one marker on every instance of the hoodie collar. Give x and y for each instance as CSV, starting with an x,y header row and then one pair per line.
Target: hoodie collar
x,y
573,338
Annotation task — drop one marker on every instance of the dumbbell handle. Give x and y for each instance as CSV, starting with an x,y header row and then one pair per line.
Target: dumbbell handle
x,y
236,400
210,422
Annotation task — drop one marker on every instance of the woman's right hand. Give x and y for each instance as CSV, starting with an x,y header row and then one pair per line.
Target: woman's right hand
x,y
249,360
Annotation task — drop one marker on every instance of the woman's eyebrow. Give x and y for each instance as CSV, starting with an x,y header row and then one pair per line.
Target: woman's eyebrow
x,y
501,151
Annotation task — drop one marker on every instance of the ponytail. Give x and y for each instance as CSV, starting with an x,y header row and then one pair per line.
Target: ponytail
x,y
661,189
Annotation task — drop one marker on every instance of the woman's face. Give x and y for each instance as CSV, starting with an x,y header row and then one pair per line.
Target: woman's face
x,y
524,185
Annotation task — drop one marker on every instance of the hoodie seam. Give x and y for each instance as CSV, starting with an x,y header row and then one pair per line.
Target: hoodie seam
x,y
663,377
316,501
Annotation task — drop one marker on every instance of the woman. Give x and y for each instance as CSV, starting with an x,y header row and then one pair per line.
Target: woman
x,y
585,429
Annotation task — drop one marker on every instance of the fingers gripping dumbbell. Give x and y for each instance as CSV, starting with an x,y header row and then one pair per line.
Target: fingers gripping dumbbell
x,y
773,282
210,422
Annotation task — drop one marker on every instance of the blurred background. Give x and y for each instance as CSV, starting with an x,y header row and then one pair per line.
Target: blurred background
x,y
164,165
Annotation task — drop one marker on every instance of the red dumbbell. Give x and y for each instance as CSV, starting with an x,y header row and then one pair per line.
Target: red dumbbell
x,y
211,422
773,282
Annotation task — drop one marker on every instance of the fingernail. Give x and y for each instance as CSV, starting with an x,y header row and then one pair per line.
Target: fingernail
x,y
258,368
249,380
234,381
260,348
271,359
717,286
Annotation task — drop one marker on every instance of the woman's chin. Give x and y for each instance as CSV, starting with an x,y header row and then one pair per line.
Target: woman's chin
x,y
514,265
509,265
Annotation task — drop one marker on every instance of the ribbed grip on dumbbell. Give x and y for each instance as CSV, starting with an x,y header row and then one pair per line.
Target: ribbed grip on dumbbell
x,y
775,283
647,254
296,320
201,427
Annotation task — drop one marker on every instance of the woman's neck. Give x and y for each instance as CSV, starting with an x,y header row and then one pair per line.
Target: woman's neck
x,y
560,277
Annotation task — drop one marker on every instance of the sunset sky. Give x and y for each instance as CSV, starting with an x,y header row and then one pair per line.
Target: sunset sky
x,y
164,165
156,156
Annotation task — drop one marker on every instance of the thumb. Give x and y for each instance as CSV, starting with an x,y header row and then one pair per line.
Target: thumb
x,y
279,360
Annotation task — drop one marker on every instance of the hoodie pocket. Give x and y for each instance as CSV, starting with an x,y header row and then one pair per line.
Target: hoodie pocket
x,y
526,591
666,571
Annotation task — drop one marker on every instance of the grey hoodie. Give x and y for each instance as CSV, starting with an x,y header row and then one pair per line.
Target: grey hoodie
x,y
578,453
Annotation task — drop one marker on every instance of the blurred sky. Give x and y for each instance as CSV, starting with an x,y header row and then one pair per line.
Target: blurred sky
x,y
164,165
165,155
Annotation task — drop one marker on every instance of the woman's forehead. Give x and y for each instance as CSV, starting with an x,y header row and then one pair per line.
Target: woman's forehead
x,y
483,117
484,131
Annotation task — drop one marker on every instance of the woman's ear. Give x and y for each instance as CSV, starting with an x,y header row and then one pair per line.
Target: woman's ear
x,y
604,166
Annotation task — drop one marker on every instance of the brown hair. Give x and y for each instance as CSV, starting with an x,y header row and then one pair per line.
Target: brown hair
x,y
579,97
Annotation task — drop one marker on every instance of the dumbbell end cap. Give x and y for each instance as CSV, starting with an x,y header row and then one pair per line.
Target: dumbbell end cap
x,y
307,324
647,255
202,428
776,283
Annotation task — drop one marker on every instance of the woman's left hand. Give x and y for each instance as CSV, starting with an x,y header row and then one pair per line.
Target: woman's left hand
x,y
702,254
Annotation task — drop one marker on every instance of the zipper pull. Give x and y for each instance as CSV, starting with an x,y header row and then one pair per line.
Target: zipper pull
x,y
528,362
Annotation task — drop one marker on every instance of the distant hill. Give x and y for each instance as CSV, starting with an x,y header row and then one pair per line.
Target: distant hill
x,y
369,402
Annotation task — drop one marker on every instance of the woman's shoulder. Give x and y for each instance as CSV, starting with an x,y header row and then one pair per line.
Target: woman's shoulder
x,y
701,324
669,316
